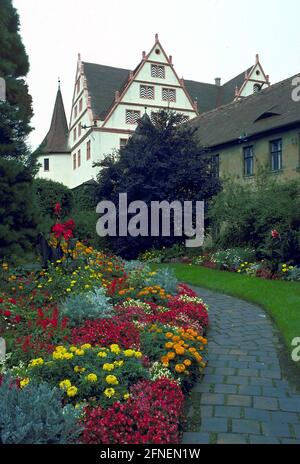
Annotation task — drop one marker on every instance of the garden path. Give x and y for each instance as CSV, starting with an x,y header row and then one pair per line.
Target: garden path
x,y
244,396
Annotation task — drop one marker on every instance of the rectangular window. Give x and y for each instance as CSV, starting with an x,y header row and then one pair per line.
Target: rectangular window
x,y
123,143
74,161
88,150
147,91
80,105
248,161
46,164
215,165
157,71
79,158
132,116
78,85
169,95
276,155
74,134
79,129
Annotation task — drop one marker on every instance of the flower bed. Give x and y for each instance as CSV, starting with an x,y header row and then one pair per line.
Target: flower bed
x,y
113,347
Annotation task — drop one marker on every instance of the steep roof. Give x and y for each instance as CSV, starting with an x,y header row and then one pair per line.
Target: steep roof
x,y
103,81
269,109
56,140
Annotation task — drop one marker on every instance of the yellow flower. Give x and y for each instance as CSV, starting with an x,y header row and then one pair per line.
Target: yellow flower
x,y
79,369
68,356
91,378
68,290
65,384
108,367
73,349
112,380
126,396
57,355
102,354
79,352
72,391
86,346
129,353
109,392
115,349
36,362
119,363
24,382
138,354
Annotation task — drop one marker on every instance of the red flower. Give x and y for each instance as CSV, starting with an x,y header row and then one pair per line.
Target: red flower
x,y
7,313
275,233
57,209
58,230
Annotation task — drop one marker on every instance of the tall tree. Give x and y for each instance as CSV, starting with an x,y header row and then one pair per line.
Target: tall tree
x,y
16,111
161,161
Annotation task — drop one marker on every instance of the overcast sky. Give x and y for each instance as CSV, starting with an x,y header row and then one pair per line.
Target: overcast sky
x,y
207,39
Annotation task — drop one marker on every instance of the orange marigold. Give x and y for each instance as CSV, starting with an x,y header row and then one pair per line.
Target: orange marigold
x,y
169,345
180,368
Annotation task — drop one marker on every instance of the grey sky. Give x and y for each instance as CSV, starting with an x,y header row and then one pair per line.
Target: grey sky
x,y
207,39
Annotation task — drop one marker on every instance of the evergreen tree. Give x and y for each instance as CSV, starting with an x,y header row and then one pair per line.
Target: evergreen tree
x,y
18,221
16,112
161,161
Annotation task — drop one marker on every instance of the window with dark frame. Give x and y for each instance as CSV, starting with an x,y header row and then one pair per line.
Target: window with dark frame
x,y
80,105
79,129
74,161
157,71
78,85
132,116
248,161
147,91
74,134
88,150
75,111
215,165
276,154
79,158
46,164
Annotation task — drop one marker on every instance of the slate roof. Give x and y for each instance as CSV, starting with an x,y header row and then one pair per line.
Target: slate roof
x,y
268,110
56,140
103,81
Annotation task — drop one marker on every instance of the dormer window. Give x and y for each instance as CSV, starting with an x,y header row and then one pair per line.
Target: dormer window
x,y
157,71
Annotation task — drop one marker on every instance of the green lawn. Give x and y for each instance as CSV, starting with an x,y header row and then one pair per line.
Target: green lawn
x,y
279,298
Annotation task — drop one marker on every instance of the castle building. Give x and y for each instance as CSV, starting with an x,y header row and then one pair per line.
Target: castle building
x,y
108,102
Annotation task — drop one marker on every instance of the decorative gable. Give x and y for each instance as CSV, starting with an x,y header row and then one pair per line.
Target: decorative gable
x,y
255,81
153,85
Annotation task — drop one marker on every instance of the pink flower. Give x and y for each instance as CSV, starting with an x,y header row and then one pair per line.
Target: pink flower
x,y
275,233
57,209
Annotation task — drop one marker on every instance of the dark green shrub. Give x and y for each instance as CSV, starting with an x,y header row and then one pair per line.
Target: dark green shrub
x,y
245,215
18,216
48,193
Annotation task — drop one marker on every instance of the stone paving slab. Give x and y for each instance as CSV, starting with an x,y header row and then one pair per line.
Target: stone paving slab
x,y
244,397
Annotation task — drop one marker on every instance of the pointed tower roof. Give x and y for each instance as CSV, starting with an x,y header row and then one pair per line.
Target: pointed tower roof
x,y
56,140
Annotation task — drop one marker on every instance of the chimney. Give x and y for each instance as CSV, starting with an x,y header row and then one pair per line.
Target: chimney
x,y
257,58
218,81
144,55
170,59
156,37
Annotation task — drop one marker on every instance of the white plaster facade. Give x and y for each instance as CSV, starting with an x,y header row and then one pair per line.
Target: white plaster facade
x,y
104,135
